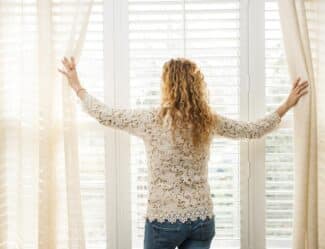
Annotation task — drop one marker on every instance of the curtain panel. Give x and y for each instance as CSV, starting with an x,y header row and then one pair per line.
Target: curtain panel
x,y
40,188
303,27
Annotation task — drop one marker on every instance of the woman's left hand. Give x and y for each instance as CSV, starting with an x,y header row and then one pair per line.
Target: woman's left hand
x,y
70,72
298,90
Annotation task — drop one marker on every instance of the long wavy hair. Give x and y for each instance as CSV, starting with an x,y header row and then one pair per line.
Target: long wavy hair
x,y
184,98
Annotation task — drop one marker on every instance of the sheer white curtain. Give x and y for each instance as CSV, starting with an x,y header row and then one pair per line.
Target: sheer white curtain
x,y
303,26
40,200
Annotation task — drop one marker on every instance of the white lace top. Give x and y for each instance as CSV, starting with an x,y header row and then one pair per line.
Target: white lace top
x,y
178,185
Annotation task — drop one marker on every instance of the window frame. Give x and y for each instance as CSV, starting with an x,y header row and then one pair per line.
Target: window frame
x,y
118,201
257,109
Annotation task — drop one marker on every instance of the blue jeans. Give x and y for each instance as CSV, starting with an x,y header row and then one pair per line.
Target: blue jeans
x,y
196,234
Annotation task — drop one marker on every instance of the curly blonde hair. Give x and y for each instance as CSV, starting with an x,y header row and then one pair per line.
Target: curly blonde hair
x,y
184,98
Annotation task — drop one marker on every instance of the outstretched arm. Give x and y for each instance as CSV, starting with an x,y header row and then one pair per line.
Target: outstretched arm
x,y
238,129
133,121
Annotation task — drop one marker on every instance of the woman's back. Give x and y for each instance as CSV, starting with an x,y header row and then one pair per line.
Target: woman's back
x,y
177,175
177,170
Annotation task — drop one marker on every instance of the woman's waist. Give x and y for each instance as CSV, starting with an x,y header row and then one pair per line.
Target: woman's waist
x,y
182,212
180,196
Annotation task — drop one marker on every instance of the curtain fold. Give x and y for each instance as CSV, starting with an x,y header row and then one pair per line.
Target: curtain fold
x,y
40,196
303,34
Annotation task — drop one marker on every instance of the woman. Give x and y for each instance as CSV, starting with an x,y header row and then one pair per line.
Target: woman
x,y
177,136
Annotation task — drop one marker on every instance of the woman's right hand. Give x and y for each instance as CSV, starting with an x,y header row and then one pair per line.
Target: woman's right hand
x,y
71,73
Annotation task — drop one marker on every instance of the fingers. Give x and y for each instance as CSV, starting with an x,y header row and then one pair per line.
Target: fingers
x,y
73,62
69,64
304,82
65,63
295,84
63,72
303,93
302,86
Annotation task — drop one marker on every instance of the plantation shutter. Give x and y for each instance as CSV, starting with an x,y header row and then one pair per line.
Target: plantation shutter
x,y
208,33
279,145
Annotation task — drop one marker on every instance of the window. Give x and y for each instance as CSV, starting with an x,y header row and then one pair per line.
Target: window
x,y
159,30
238,46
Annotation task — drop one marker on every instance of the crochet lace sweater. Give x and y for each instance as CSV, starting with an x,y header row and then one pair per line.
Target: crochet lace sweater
x,y
178,185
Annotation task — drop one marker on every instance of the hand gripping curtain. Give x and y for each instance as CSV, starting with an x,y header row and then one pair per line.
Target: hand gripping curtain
x,y
40,199
303,27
